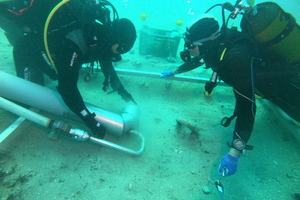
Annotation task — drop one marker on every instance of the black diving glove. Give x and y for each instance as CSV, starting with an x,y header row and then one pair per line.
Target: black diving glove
x,y
105,86
97,129
125,95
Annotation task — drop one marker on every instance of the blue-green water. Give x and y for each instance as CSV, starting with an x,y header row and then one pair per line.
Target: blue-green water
x,y
164,14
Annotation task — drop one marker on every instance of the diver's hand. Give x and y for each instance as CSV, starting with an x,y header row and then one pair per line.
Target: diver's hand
x,y
209,86
167,74
97,129
228,165
125,95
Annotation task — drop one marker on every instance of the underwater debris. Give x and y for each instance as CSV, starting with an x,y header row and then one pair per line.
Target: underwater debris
x,y
148,56
53,136
4,157
206,190
130,186
194,129
137,63
171,59
10,181
168,85
144,85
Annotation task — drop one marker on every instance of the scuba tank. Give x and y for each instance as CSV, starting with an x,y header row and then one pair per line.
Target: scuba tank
x,y
274,30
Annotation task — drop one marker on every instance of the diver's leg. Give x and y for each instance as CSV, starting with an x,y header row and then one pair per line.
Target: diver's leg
x,y
289,99
12,32
280,83
27,60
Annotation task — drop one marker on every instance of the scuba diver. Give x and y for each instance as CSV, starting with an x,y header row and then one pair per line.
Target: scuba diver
x,y
77,32
248,68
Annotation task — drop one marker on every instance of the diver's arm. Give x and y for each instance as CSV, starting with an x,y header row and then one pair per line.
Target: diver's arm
x,y
246,109
237,70
68,64
105,67
111,77
190,65
187,66
245,114
240,68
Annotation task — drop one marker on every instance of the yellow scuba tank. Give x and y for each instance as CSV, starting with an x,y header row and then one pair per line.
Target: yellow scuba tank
x,y
275,30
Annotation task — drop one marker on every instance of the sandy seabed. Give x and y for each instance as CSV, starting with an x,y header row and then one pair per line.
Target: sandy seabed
x,y
176,164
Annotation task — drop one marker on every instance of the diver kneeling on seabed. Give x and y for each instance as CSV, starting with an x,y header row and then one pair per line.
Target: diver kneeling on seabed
x,y
58,37
261,60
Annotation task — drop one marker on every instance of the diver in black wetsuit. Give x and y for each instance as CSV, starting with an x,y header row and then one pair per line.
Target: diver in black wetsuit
x,y
79,32
235,60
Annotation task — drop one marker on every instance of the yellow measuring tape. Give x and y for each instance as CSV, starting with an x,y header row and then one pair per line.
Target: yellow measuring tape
x,y
46,31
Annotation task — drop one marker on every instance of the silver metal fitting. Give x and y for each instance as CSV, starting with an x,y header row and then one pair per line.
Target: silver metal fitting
x,y
79,134
61,126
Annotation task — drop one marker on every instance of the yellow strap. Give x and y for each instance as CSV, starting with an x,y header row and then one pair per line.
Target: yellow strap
x,y
46,30
223,53
258,97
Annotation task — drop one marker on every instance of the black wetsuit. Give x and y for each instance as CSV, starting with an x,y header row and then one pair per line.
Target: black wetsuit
x,y
242,68
72,42
21,17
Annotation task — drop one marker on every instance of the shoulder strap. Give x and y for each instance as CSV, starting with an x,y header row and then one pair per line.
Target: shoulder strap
x,y
77,37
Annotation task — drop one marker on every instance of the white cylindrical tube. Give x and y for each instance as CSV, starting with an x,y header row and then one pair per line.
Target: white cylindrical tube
x,y
20,111
46,99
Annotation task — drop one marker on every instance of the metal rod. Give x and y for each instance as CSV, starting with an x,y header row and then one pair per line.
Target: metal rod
x,y
78,134
138,152
157,75
9,130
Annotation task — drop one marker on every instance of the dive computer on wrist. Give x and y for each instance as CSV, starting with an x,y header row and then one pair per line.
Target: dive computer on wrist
x,y
239,144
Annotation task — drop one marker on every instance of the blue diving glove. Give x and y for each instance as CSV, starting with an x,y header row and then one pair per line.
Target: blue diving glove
x,y
166,73
228,165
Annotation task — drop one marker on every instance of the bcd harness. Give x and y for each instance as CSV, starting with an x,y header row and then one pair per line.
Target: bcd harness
x,y
17,8
102,21
268,26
